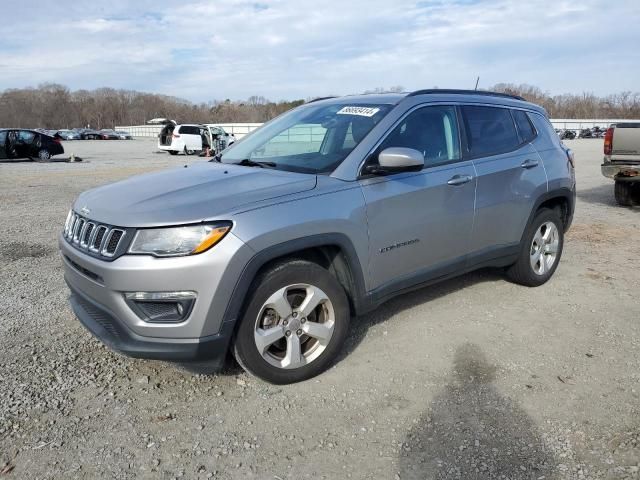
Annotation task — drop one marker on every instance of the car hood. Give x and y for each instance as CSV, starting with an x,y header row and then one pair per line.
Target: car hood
x,y
202,191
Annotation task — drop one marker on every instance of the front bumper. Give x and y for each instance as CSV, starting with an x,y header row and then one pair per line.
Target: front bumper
x,y
621,171
98,299
106,327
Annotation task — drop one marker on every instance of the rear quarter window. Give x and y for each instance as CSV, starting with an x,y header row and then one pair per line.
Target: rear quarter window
x,y
525,127
490,130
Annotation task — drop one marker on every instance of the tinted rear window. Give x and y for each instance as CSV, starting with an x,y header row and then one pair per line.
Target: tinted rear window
x,y
525,128
189,130
490,130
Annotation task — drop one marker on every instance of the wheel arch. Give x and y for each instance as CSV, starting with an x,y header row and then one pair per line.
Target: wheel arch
x,y
562,199
333,251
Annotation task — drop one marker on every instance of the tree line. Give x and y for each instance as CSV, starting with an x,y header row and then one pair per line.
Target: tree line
x,y
56,106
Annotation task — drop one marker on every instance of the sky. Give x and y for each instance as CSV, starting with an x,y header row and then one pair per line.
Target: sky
x,y
288,49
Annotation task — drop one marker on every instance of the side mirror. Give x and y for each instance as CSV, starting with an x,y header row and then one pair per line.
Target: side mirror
x,y
397,159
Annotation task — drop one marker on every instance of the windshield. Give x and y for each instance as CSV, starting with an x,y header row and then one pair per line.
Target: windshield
x,y
311,139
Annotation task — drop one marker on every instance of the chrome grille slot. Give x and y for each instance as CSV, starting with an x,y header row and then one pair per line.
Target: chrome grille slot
x,y
112,241
96,245
77,231
88,230
92,237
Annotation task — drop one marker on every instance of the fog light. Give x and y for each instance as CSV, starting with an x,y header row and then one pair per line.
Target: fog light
x,y
161,307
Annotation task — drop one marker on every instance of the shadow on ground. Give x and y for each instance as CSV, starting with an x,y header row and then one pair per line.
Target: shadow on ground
x,y
471,431
360,325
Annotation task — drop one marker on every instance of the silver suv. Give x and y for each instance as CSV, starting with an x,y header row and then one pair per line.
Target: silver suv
x,y
319,215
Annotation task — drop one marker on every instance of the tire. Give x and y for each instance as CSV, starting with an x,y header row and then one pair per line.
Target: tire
x,y
172,152
44,155
534,266
624,194
188,152
292,282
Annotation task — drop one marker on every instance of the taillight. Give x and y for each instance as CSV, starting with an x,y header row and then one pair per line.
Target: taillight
x,y
608,141
571,157
57,140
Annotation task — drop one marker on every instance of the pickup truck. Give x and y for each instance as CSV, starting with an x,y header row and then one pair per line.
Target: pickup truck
x,y
622,161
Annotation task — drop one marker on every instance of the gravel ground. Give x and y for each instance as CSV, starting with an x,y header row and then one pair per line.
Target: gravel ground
x,y
472,378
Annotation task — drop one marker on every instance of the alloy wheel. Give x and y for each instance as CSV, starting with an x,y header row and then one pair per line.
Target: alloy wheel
x,y
544,248
294,326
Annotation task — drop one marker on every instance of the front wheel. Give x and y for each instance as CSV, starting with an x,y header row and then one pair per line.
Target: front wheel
x,y
188,152
540,251
294,325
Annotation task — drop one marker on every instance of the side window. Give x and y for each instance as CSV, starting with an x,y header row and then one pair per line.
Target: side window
x,y
525,128
26,136
3,138
490,130
430,130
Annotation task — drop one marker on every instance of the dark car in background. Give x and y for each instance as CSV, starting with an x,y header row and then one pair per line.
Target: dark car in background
x,y
17,143
108,134
89,134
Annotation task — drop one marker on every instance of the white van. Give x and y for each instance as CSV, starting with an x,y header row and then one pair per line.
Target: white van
x,y
192,139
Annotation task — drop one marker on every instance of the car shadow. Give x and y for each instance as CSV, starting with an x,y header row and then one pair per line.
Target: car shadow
x,y
360,325
471,431
601,195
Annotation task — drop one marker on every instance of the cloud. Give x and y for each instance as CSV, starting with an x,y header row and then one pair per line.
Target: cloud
x,y
204,50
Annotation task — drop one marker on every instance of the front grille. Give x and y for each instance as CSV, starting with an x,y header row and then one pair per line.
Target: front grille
x,y
92,237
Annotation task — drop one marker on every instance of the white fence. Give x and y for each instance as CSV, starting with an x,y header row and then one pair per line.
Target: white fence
x,y
239,130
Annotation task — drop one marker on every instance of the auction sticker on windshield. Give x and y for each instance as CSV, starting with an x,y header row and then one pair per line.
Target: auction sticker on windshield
x,y
362,111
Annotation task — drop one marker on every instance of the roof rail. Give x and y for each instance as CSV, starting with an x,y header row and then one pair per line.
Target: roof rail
x,y
320,98
446,91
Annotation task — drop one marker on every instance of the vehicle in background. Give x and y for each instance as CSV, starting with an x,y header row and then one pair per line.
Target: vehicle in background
x,y
66,135
19,143
122,135
622,161
192,139
108,134
321,214
566,134
585,133
90,134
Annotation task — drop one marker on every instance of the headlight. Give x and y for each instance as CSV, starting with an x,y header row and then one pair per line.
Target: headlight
x,y
175,241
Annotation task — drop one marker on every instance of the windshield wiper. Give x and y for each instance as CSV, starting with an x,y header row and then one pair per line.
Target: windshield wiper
x,y
250,163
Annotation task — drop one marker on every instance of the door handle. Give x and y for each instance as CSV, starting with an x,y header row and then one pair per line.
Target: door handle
x,y
459,180
529,163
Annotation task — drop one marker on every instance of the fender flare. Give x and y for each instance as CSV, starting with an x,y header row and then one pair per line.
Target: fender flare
x,y
253,266
563,192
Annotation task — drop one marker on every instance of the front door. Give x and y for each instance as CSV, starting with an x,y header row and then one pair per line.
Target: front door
x,y
3,142
420,223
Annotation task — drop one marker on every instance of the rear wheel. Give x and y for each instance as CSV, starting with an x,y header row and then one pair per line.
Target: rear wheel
x,y
624,193
294,325
188,152
44,155
540,251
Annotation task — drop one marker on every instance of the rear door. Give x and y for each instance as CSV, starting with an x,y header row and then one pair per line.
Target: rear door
x,y
24,145
511,176
190,134
420,222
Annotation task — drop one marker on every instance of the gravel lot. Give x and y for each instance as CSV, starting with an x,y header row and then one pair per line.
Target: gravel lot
x,y
472,378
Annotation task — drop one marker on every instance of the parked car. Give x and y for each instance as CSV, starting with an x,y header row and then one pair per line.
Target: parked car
x,y
192,138
108,134
16,143
122,135
66,135
323,213
566,134
622,161
90,134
